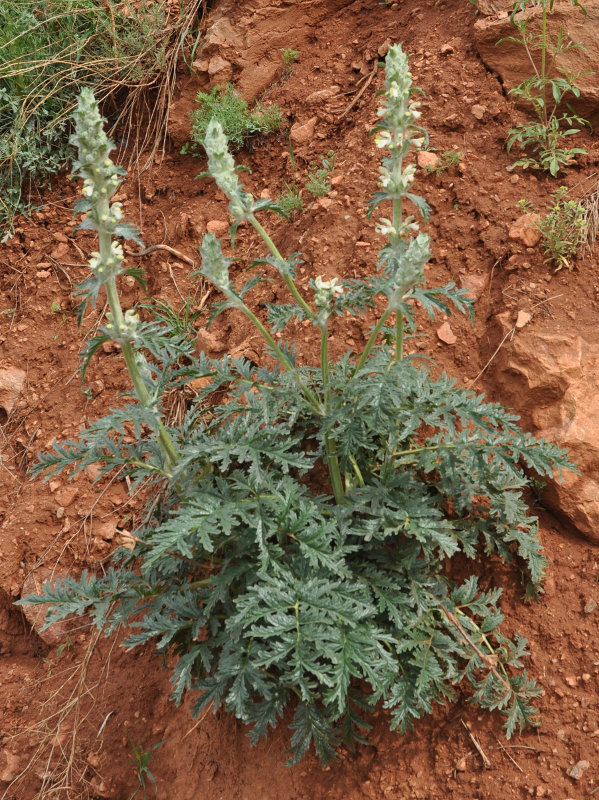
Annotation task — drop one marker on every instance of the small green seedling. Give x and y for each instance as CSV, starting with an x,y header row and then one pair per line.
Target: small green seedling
x,y
318,179
228,108
289,58
141,759
290,199
56,308
447,160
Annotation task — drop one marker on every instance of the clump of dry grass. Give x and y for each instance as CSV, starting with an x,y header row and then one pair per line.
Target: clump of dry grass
x,y
126,51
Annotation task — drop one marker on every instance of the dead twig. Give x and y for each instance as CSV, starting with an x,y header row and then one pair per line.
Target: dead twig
x,y
166,249
476,743
513,760
360,93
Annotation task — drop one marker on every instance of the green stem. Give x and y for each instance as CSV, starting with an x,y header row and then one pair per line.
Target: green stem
x,y
164,439
398,336
329,441
280,355
371,341
287,278
543,60
397,220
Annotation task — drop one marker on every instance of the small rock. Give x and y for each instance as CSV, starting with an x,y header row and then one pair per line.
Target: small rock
x,y
207,341
60,237
541,791
453,122
105,530
220,67
42,273
572,681
9,766
302,133
427,160
11,384
216,226
110,347
525,229
590,607
325,202
383,49
96,387
474,284
578,770
446,335
461,766
66,496
479,111
446,50
99,787
322,95
523,319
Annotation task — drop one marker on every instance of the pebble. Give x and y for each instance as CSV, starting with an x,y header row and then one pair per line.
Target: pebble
x,y
66,496
12,381
9,766
215,226
446,335
446,50
479,111
427,160
578,770
302,133
525,230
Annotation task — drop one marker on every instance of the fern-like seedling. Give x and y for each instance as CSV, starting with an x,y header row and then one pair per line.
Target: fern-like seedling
x,y
299,557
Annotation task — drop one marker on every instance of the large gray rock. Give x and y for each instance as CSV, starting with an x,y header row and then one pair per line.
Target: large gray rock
x,y
510,61
552,380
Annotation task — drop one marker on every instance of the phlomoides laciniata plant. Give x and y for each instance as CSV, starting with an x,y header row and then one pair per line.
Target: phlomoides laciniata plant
x,y
270,585
546,89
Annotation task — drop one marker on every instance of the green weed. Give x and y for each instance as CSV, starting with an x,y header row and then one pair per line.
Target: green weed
x,y
299,556
290,199
318,179
447,160
141,759
232,112
563,229
289,58
541,140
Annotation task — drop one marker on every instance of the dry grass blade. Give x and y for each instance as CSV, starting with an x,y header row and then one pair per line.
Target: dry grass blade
x,y
58,759
131,67
591,206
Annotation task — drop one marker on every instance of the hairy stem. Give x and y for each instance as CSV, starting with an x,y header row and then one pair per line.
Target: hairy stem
x,y
166,443
371,340
311,397
287,278
329,441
